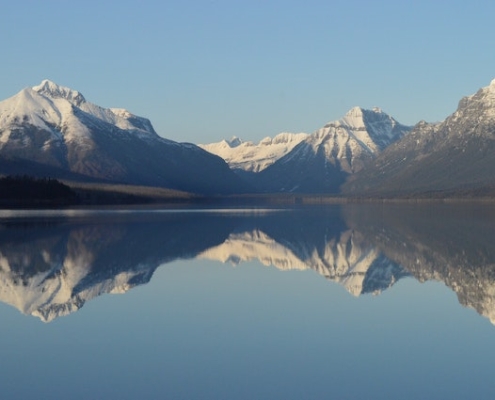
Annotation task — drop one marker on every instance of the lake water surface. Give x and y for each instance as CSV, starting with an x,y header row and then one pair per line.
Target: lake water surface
x,y
339,302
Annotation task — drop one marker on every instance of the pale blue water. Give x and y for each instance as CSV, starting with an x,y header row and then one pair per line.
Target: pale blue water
x,y
192,327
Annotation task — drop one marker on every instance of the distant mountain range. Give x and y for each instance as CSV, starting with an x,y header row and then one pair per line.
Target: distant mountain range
x,y
368,153
52,131
254,157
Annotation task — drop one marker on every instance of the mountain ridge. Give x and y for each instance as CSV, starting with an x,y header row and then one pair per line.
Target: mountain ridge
x,y
254,157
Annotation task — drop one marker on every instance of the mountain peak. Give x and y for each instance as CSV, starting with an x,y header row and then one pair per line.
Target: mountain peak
x,y
487,90
354,112
361,112
51,89
490,90
477,107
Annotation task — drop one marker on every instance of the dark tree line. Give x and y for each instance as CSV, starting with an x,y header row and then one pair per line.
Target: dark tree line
x,y
28,190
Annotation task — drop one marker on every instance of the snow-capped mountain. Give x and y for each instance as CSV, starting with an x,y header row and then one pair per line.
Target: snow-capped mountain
x,y
254,157
454,156
322,161
52,130
356,138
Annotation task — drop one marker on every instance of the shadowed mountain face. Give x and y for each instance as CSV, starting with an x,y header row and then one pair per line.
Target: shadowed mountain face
x,y
51,266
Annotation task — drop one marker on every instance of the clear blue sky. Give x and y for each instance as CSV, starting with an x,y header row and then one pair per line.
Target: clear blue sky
x,y
207,70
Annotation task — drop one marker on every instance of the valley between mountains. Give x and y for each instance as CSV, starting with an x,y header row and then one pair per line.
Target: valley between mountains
x,y
52,131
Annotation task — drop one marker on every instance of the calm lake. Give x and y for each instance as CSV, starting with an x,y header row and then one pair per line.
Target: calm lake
x,y
341,302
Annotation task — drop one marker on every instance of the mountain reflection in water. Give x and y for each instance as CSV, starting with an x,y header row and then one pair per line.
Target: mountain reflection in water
x,y
50,266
